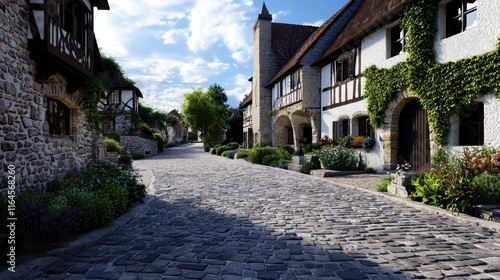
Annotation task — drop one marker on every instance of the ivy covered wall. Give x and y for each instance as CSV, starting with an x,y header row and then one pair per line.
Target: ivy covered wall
x,y
441,87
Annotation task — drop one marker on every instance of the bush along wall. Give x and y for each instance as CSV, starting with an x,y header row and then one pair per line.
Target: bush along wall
x,y
82,200
442,88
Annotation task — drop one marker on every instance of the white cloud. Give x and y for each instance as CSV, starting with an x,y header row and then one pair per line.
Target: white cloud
x,y
171,47
242,87
212,21
173,36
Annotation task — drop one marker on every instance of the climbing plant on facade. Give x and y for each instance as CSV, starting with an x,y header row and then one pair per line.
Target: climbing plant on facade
x,y
441,87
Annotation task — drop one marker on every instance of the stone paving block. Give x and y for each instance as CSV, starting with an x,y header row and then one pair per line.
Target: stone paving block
x,y
206,221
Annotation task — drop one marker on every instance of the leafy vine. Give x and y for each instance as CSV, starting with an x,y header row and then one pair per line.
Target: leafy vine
x,y
442,88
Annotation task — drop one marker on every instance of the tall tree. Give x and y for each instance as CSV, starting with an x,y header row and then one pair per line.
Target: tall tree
x,y
201,113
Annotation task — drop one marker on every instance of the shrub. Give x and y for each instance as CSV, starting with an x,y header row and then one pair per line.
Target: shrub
x,y
125,158
229,154
114,135
312,147
287,148
233,145
38,221
429,189
242,153
338,158
174,144
222,149
136,155
272,159
384,183
487,188
97,209
113,146
159,139
257,154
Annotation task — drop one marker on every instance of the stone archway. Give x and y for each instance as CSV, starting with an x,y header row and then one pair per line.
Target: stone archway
x,y
390,130
282,130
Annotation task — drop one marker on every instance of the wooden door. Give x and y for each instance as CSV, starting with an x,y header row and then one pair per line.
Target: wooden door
x,y
414,141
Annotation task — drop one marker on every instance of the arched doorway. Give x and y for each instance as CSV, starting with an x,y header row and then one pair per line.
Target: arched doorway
x,y
414,140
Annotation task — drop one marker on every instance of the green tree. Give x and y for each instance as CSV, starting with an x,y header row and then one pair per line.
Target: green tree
x,y
201,111
154,118
217,94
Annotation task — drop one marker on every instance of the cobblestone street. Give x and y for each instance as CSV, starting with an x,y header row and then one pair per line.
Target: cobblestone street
x,y
216,218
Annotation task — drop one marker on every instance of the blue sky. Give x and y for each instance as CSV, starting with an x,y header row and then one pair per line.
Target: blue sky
x,y
170,47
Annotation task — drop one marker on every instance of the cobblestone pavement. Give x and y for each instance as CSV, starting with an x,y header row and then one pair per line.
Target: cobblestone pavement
x,y
216,218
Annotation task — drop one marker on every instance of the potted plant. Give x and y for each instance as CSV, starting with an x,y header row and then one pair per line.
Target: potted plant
x,y
368,143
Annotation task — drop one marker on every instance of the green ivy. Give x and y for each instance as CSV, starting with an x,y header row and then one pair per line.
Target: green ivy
x,y
442,88
94,93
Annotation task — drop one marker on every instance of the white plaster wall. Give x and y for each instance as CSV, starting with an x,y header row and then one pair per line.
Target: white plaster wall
x,y
374,51
477,40
374,159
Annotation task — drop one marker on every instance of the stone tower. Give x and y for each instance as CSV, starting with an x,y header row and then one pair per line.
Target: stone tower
x,y
265,66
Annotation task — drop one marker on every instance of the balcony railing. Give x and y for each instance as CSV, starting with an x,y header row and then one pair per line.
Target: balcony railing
x,y
57,50
288,99
343,93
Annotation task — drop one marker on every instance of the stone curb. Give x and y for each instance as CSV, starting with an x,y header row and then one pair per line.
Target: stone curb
x,y
34,268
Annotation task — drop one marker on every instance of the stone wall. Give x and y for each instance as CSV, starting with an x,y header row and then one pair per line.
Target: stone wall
x,y
140,145
25,141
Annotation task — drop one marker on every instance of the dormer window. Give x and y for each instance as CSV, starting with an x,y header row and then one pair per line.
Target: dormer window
x,y
460,16
344,66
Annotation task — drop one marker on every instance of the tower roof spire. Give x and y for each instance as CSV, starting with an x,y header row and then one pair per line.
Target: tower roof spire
x,y
264,13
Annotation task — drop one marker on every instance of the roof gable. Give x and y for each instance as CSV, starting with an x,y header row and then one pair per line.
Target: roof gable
x,y
371,14
294,61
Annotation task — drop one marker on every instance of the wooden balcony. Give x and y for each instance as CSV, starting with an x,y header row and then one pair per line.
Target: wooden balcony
x,y
288,99
58,51
343,93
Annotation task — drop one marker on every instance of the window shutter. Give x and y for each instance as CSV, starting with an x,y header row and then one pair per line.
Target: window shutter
x,y
335,131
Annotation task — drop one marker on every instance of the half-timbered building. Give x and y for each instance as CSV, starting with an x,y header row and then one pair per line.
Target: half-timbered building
x,y
48,53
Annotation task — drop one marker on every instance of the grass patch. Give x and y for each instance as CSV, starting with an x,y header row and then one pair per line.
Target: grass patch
x,y
382,186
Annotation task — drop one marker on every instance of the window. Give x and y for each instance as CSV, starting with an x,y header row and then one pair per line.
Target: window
x,y
73,18
294,81
58,117
342,70
341,129
398,38
460,16
344,66
364,127
114,98
344,127
471,121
